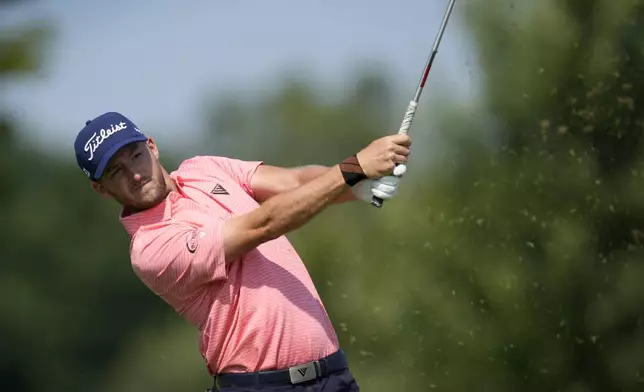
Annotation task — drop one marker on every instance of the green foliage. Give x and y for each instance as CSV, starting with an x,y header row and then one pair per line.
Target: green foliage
x,y
512,264
71,303
20,50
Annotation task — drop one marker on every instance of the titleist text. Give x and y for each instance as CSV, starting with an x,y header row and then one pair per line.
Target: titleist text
x,y
96,140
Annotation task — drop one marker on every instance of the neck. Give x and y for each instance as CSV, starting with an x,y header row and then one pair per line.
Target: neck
x,y
170,185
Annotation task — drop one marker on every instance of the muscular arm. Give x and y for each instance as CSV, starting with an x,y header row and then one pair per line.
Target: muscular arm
x,y
175,257
283,212
269,181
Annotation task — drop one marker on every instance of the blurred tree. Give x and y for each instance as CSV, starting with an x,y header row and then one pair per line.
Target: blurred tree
x,y
70,299
517,268
511,265
529,260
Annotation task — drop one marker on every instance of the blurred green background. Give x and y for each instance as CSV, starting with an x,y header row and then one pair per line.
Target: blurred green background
x,y
511,260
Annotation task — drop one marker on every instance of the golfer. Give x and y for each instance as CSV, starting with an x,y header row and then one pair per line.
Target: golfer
x,y
209,239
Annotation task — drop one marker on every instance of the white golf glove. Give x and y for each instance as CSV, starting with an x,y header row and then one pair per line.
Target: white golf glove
x,y
384,188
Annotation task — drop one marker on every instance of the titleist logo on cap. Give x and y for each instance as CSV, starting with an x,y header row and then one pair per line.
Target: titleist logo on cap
x,y
96,140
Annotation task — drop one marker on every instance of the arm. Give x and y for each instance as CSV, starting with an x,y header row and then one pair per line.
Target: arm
x,y
289,210
177,258
269,181
283,212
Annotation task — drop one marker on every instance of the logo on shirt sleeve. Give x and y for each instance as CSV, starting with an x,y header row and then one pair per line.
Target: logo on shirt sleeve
x,y
192,240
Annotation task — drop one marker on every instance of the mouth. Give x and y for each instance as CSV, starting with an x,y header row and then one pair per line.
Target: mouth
x,y
140,185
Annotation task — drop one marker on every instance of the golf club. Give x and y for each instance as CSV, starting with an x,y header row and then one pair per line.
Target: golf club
x,y
411,109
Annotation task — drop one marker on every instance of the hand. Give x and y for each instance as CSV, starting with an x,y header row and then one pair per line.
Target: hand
x,y
385,188
380,157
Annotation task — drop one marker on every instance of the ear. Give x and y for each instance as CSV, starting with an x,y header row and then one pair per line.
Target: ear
x,y
153,147
100,189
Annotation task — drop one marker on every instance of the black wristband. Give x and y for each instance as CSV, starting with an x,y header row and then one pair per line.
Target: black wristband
x,y
352,171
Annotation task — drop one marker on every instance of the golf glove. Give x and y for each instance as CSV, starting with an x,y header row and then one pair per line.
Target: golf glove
x,y
384,188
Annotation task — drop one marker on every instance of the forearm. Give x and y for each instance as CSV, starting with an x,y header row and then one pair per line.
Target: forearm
x,y
308,173
283,213
290,210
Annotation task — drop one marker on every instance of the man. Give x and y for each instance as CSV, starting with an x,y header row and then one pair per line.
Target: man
x,y
209,239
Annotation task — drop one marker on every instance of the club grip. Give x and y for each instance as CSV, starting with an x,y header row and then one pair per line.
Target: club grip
x,y
404,129
409,117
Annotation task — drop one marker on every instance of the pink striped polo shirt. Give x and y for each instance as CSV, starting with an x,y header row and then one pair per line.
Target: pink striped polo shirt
x,y
261,311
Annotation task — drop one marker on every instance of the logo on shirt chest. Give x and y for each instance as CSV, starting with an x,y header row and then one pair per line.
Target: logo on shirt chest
x,y
219,190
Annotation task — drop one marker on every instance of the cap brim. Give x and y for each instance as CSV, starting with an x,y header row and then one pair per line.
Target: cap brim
x,y
113,150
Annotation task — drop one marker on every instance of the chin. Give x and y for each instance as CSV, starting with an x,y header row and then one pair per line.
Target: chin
x,y
152,198
149,202
145,204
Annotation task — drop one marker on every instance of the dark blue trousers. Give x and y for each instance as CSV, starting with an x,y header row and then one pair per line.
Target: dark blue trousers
x,y
337,382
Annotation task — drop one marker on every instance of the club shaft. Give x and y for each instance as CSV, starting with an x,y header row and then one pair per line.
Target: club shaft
x,y
411,109
437,42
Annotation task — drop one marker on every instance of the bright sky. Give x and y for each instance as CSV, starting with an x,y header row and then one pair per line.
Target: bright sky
x,y
155,61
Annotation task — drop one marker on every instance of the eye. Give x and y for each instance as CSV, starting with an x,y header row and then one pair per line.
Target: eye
x,y
137,155
114,172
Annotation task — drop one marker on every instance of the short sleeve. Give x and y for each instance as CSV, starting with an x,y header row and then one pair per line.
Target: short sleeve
x,y
239,170
176,259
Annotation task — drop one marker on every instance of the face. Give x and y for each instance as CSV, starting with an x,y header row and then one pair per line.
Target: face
x,y
134,177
